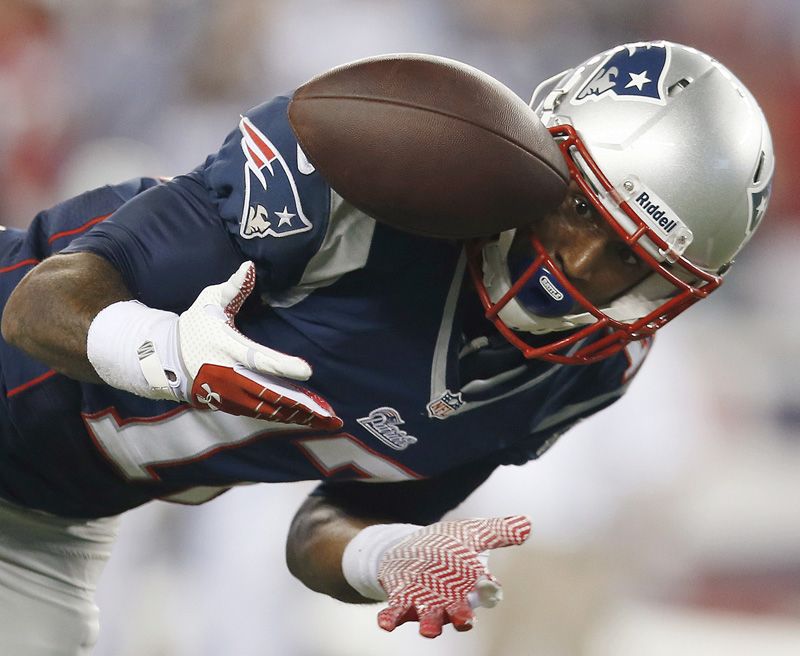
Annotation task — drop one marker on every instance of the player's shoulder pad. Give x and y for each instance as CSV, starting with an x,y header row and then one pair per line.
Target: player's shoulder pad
x,y
267,192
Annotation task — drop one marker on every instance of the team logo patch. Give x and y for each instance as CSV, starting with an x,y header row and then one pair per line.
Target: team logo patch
x,y
384,424
630,73
445,405
758,206
268,210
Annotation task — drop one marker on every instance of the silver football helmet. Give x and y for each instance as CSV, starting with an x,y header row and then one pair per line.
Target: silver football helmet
x,y
676,155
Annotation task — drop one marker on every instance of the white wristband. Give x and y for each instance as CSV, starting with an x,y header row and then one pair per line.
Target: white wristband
x,y
122,346
363,554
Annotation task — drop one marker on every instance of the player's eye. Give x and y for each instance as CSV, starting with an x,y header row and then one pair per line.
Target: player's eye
x,y
628,257
581,205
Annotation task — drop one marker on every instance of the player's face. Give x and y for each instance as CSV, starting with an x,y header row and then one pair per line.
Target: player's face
x,y
587,250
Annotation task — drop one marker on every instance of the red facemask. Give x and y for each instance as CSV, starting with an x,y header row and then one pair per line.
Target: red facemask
x,y
606,335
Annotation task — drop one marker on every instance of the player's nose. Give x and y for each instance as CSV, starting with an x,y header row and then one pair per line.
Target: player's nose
x,y
580,256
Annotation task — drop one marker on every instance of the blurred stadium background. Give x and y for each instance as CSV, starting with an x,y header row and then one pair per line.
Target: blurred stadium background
x,y
668,524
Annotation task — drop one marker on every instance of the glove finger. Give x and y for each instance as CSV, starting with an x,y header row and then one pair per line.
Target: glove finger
x,y
431,621
269,361
262,359
289,397
461,615
234,291
499,532
393,616
222,388
297,414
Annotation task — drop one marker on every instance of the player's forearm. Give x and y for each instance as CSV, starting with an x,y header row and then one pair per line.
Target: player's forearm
x,y
317,538
49,313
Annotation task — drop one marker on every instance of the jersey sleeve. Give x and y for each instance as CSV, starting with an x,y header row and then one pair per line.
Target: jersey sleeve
x,y
167,243
418,502
271,199
255,199
53,229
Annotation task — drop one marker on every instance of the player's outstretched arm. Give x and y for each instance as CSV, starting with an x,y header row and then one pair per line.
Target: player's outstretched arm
x,y
317,538
49,312
435,574
73,312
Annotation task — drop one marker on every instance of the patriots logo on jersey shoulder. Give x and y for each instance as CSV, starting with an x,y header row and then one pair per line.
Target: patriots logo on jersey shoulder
x,y
630,73
268,209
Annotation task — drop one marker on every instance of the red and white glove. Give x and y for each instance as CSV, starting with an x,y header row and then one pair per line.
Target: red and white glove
x,y
435,574
201,358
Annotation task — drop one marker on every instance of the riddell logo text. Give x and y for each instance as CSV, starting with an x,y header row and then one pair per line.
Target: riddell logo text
x,y
659,216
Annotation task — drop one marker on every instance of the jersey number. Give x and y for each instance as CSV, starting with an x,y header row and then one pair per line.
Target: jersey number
x,y
139,446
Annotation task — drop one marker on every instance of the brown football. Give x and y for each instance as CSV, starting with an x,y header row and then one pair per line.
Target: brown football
x,y
429,145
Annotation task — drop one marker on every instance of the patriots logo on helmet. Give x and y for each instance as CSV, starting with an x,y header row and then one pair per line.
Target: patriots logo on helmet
x,y
758,206
633,72
268,209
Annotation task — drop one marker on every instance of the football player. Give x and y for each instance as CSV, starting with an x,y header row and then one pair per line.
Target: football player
x,y
169,339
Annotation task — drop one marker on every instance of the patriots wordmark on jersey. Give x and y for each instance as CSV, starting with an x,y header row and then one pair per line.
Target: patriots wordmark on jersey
x,y
383,317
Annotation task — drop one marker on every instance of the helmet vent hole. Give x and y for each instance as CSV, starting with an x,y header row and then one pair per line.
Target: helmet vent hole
x,y
759,168
679,86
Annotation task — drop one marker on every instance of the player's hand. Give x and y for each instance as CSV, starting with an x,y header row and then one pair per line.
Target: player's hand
x,y
438,574
218,368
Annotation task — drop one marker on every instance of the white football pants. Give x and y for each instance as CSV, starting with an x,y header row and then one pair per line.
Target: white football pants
x,y
49,567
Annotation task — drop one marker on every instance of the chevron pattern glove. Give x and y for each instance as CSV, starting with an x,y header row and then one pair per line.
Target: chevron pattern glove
x,y
434,574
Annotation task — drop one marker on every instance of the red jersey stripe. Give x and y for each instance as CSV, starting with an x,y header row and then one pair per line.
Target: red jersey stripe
x,y
22,263
31,383
75,231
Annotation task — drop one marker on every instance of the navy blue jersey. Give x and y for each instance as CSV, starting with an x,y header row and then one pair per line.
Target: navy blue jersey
x,y
426,389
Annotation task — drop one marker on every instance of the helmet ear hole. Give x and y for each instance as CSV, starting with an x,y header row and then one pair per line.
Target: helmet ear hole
x,y
759,168
679,86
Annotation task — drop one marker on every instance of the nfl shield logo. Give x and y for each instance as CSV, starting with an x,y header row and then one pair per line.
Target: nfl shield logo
x,y
445,405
